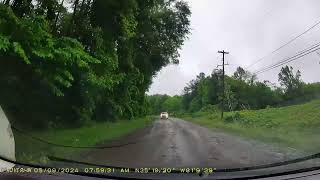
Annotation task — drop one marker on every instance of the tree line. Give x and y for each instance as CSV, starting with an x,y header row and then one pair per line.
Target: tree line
x,y
242,91
70,62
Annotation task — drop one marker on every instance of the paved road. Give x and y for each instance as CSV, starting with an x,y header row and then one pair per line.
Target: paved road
x,y
177,143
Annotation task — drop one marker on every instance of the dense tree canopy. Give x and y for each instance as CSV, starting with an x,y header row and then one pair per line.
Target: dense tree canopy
x,y
242,91
164,103
73,61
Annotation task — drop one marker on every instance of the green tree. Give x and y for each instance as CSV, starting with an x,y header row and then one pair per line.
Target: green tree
x,y
291,82
93,61
172,104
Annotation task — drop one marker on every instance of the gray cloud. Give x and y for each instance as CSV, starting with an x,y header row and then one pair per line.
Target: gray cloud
x,y
249,30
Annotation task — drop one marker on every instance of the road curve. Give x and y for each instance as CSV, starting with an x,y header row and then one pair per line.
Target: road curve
x,y
178,143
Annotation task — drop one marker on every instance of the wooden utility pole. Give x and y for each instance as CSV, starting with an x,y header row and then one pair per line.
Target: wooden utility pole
x,y
223,64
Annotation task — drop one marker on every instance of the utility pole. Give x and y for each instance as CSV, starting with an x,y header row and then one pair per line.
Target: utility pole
x,y
223,64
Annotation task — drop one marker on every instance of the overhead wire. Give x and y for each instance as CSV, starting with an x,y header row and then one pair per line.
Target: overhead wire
x,y
284,45
300,54
286,62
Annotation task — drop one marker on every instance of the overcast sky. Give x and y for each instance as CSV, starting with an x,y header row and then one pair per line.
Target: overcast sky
x,y
249,30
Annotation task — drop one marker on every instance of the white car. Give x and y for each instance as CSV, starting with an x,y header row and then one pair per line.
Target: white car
x,y
164,115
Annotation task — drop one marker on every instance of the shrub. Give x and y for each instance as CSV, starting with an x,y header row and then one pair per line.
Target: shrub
x,y
235,118
210,108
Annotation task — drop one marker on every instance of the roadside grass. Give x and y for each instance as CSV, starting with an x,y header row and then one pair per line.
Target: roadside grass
x,y
33,151
295,126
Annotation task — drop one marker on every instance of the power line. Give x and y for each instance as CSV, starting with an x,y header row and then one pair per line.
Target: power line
x,y
303,51
287,43
300,54
287,60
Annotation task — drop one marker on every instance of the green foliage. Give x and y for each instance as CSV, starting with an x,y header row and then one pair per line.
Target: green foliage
x,y
241,92
307,93
172,104
82,136
291,82
210,108
17,49
94,61
234,118
4,43
164,103
295,126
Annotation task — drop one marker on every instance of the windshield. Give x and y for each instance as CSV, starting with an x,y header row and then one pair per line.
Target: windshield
x,y
236,83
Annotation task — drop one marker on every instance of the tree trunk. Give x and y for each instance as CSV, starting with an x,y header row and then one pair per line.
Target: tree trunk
x,y
7,2
73,19
87,10
57,17
82,5
75,8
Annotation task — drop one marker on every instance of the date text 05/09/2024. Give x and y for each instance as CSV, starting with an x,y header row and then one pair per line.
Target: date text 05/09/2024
x,y
111,170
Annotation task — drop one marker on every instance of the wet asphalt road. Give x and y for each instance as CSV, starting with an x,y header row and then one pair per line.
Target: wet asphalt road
x,y
178,143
